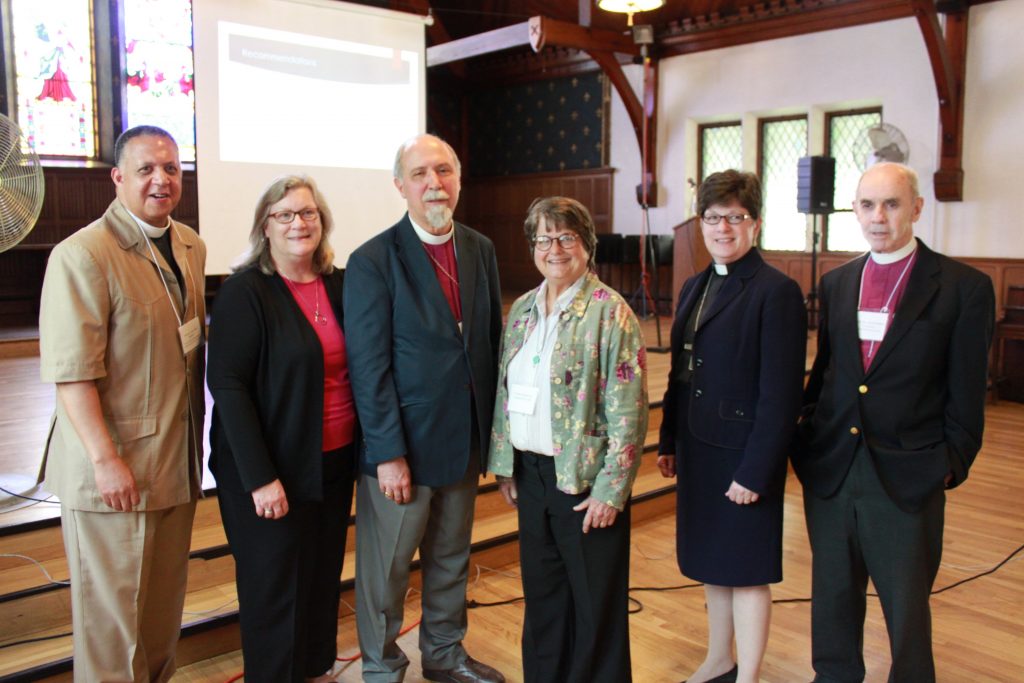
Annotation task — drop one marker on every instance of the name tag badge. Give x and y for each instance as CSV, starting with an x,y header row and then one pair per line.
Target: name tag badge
x,y
189,335
871,325
522,398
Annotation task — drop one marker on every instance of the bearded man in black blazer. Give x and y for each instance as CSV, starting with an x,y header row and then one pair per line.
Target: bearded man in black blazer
x,y
422,327
893,416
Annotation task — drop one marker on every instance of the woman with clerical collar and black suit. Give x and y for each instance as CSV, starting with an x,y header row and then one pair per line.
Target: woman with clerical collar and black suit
x,y
738,354
284,433
568,432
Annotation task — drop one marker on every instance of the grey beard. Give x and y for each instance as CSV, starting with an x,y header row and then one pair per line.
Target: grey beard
x,y
439,216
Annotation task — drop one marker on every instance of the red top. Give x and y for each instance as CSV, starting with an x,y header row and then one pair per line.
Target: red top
x,y
442,257
881,284
339,409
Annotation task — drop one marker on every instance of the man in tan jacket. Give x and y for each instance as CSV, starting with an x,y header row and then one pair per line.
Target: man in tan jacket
x,y
121,328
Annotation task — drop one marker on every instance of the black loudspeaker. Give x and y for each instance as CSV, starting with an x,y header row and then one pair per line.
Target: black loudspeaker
x,y
815,184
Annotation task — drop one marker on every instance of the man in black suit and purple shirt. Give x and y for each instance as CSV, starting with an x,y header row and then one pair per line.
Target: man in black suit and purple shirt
x,y
893,416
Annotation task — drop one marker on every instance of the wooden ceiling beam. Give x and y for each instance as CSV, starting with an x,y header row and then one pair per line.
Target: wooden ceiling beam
x,y
516,35
776,20
545,31
642,115
538,33
947,53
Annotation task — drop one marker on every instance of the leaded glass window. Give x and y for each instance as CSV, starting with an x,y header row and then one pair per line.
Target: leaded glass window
x,y
158,74
53,64
721,147
843,232
783,142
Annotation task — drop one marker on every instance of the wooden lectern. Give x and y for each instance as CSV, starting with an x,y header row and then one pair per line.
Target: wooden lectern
x,y
689,255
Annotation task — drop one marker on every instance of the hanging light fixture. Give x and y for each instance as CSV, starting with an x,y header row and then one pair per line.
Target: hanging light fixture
x,y
629,7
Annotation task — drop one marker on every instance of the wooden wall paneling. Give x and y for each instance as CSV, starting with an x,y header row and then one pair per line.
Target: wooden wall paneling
x,y
497,205
75,196
1004,272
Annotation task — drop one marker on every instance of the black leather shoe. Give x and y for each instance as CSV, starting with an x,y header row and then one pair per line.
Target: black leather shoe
x,y
469,671
728,677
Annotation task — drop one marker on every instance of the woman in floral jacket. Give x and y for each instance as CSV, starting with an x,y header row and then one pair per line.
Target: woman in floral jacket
x,y
569,426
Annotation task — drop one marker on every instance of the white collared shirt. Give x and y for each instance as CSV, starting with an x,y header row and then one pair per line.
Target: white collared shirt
x,y
531,367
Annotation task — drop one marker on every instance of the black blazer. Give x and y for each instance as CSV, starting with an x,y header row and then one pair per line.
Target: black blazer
x,y
416,379
919,407
266,373
749,356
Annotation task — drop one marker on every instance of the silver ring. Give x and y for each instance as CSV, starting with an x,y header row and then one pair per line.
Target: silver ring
x,y
267,511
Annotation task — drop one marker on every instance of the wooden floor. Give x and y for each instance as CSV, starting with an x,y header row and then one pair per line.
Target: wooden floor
x,y
978,630
978,626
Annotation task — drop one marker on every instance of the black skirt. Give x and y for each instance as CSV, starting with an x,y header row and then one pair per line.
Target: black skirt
x,y
718,541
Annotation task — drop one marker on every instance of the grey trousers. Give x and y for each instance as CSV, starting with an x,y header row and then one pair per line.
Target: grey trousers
x,y
438,522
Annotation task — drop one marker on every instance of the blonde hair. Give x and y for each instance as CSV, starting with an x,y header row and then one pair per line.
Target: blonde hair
x,y
259,247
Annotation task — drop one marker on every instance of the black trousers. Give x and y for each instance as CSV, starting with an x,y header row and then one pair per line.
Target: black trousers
x,y
856,533
288,574
576,585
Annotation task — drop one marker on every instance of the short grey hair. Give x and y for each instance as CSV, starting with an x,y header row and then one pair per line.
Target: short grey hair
x,y
404,147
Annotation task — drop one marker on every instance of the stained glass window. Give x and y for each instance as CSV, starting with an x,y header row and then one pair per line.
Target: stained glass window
x,y
843,232
783,142
54,75
158,74
721,147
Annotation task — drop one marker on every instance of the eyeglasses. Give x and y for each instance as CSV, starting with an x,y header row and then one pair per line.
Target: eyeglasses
x,y
731,219
566,240
285,217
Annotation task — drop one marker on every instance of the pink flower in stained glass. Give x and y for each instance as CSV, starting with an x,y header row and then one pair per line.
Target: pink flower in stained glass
x,y
56,87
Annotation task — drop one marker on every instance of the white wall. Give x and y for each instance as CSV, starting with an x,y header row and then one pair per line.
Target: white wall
x,y
883,63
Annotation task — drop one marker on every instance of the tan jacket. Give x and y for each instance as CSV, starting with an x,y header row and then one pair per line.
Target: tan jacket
x,y
105,316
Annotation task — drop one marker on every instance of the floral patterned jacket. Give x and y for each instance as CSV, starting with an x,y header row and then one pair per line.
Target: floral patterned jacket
x,y
598,393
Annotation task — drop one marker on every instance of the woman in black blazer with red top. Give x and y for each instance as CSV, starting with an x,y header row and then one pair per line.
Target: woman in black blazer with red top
x,y
283,435
738,347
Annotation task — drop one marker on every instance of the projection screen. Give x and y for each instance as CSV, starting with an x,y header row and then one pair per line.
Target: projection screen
x,y
325,88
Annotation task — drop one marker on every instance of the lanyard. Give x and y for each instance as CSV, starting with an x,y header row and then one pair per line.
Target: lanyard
x,y
885,307
163,280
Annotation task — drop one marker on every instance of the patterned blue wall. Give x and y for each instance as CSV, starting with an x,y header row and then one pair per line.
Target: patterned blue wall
x,y
554,125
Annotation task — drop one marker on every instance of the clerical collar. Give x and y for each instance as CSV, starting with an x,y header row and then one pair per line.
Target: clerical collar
x,y
894,256
429,237
152,232
721,269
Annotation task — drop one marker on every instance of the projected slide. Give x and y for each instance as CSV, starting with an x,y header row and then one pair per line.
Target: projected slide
x,y
290,98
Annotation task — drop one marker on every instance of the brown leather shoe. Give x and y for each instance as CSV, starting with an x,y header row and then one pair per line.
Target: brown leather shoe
x,y
469,671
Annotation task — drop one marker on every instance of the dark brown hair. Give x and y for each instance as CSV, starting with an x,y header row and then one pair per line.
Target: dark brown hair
x,y
725,186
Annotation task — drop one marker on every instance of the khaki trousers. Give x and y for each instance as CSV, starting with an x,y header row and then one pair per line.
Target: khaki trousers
x,y
128,576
